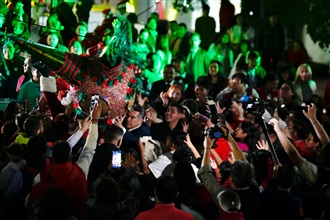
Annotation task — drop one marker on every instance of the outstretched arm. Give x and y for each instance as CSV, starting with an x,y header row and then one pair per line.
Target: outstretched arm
x,y
309,170
321,133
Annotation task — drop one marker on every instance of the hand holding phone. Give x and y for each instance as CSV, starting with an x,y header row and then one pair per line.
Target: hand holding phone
x,y
95,100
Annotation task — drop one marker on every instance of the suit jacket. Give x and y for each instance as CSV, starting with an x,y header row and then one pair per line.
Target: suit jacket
x,y
131,138
158,87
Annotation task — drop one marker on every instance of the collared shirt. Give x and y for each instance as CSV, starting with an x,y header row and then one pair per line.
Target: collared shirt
x,y
31,91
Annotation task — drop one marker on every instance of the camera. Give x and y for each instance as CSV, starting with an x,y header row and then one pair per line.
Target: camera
x,y
217,132
256,106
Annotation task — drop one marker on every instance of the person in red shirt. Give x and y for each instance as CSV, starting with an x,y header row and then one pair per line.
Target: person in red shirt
x,y
166,192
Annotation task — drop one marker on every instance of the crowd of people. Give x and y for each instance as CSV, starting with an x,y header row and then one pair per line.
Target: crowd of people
x,y
224,125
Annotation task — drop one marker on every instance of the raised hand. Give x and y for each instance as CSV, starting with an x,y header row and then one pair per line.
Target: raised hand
x,y
141,100
96,111
311,112
275,123
162,95
219,109
185,127
262,145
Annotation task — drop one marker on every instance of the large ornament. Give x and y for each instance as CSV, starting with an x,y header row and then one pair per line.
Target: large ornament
x,y
88,76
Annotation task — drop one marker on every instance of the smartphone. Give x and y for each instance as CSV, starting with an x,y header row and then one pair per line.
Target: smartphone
x,y
116,159
95,100
212,108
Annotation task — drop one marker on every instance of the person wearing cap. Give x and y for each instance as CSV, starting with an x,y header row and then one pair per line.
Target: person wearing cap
x,y
121,12
31,89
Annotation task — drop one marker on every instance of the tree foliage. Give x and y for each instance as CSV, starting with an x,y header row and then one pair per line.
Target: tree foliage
x,y
313,13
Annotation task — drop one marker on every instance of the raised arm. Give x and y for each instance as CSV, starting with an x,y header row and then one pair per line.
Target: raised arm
x,y
238,153
289,148
321,133
192,147
83,127
144,164
206,173
309,170
87,153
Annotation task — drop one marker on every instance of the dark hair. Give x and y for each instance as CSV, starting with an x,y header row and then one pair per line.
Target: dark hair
x,y
293,90
300,128
37,146
286,176
31,125
166,189
81,23
252,55
178,107
171,66
224,168
177,138
271,77
55,205
112,132
10,111
133,18
205,7
183,25
61,152
241,173
20,119
191,104
260,160
107,191
313,205
241,76
9,129
325,151
140,109
252,135
220,72
204,82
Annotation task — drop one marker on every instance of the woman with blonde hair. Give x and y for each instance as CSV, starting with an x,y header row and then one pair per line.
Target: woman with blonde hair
x,y
305,86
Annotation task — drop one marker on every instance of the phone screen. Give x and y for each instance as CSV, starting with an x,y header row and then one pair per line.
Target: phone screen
x,y
95,99
116,159
212,108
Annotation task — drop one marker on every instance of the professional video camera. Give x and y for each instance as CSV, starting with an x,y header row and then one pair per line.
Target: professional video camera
x,y
256,106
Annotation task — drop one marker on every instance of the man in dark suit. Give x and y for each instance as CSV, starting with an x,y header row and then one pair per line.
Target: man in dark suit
x,y
186,80
113,137
164,84
135,127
